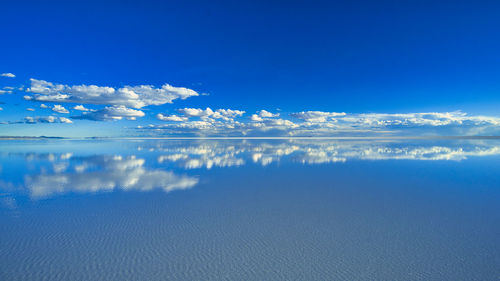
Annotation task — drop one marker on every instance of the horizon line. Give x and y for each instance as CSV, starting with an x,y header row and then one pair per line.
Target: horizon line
x,y
250,138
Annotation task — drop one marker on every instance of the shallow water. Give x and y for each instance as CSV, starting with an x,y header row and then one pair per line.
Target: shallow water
x,y
249,210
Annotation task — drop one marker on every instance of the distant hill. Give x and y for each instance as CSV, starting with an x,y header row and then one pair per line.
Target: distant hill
x,y
27,138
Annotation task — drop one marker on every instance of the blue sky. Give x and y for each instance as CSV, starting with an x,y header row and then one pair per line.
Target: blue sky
x,y
381,58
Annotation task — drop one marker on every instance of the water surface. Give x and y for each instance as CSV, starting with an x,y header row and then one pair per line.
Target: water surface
x,y
250,210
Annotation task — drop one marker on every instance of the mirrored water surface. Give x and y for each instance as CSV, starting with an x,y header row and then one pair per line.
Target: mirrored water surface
x,y
293,209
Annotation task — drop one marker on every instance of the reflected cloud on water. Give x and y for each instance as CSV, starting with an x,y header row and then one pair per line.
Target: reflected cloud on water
x,y
91,174
226,153
170,165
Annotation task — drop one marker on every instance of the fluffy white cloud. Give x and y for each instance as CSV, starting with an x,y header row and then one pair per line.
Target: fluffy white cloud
x,y
111,113
226,114
33,120
318,123
266,114
316,116
196,112
209,118
81,108
10,75
126,101
129,96
256,118
259,117
7,90
421,119
47,119
43,106
210,126
30,109
65,120
268,124
174,118
39,119
59,108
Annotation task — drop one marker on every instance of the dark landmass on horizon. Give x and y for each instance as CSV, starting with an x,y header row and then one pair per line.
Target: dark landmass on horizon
x,y
28,138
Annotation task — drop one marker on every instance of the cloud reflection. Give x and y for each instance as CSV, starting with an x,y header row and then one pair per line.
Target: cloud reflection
x,y
102,173
170,164
208,154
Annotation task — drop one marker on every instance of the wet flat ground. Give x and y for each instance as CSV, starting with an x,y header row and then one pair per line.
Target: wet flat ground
x,y
250,209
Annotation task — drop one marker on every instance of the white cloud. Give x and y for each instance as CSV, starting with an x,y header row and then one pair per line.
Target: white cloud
x,y
65,120
81,108
10,75
316,116
267,124
262,114
39,119
47,119
1,109
414,120
7,90
126,101
196,112
60,109
129,96
209,118
33,120
111,113
30,109
223,127
43,106
225,114
318,123
256,117
266,114
174,118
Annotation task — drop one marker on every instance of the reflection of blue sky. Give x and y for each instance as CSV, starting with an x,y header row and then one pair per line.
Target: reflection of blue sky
x,y
145,165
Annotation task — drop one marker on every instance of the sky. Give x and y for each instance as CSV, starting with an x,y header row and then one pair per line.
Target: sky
x,y
249,68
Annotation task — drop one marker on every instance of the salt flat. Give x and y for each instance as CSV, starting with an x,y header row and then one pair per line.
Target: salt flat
x,y
236,209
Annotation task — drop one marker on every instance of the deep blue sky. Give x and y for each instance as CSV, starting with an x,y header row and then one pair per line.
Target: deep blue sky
x,y
351,56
